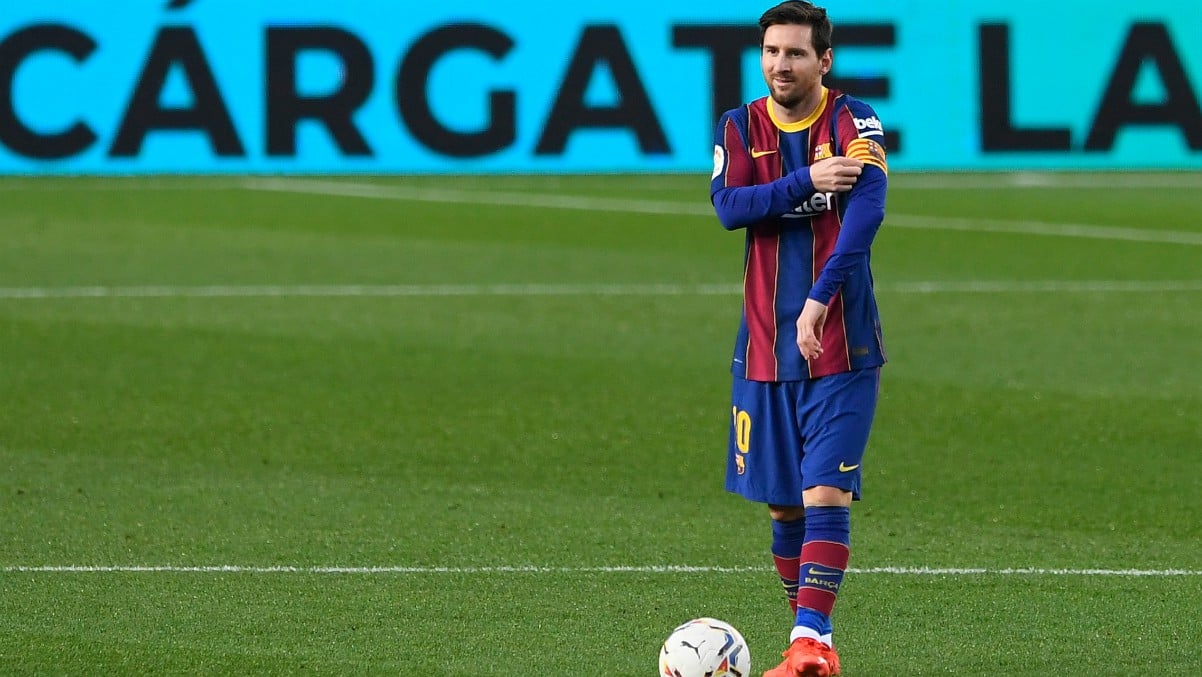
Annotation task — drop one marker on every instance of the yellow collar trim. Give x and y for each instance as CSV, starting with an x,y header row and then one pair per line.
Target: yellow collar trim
x,y
800,124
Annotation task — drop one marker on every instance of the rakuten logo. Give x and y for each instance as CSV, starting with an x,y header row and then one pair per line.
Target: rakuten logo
x,y
818,203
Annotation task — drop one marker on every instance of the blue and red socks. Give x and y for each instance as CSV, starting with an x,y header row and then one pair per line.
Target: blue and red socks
x,y
823,561
787,539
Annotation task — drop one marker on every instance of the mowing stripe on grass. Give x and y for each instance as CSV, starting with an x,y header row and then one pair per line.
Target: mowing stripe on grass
x,y
595,204
436,290
401,290
647,569
111,184
1010,180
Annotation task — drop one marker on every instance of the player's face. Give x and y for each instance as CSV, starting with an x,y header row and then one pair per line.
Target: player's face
x,y
792,69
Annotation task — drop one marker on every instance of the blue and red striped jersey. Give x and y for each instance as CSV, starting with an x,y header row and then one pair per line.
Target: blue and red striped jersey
x,y
801,243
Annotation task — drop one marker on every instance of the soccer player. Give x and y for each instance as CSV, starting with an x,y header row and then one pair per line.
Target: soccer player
x,y
803,172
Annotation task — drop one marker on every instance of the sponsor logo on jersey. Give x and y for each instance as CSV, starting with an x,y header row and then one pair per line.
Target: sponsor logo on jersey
x,y
818,203
869,126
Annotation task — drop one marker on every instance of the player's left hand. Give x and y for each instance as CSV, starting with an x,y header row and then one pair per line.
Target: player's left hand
x,y
809,329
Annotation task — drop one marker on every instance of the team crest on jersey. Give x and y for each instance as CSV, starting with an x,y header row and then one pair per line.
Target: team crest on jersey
x,y
822,152
876,151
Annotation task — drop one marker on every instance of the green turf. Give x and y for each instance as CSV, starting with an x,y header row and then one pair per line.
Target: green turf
x,y
536,444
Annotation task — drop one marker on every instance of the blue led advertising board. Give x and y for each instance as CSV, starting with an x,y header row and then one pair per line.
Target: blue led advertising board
x,y
408,86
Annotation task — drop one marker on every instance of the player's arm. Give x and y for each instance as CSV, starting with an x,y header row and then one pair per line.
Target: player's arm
x,y
861,220
741,206
865,203
739,202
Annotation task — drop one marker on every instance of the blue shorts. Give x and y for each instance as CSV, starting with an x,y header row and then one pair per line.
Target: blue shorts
x,y
788,436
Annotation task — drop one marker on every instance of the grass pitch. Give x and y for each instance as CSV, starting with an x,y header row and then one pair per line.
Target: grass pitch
x,y
477,427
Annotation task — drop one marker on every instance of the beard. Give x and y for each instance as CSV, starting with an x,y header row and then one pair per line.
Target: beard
x,y
788,101
788,94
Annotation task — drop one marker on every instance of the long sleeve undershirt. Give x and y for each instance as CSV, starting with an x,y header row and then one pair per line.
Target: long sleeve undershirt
x,y
862,219
742,206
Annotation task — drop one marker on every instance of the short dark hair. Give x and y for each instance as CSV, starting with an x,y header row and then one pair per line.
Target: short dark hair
x,y
802,13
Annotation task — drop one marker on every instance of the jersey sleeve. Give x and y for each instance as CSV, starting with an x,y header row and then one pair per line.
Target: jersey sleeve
x,y
732,160
737,200
861,136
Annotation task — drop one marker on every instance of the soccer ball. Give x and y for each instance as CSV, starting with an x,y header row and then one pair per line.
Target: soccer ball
x,y
705,647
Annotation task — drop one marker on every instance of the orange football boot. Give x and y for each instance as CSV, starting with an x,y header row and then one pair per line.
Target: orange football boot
x,y
807,657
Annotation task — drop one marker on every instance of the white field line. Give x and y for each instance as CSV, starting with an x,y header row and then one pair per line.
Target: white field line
x,y
1011,180
1042,286
648,569
541,200
1078,230
471,197
531,290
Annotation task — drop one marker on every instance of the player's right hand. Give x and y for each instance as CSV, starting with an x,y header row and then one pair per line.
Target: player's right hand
x,y
835,174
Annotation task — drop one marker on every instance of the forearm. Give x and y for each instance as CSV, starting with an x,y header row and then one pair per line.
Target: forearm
x,y
741,206
863,217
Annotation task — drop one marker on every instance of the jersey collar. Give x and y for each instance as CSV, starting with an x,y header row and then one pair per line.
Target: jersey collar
x,y
800,124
